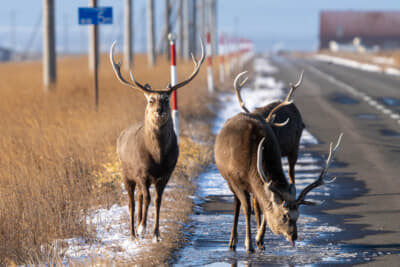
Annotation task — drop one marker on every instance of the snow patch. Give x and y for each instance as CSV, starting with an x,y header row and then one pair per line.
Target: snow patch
x,y
112,239
361,66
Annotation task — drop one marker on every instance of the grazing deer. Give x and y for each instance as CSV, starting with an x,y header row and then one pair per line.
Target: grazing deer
x,y
239,163
288,135
149,151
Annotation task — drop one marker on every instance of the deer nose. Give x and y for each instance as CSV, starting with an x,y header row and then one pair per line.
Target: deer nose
x,y
159,111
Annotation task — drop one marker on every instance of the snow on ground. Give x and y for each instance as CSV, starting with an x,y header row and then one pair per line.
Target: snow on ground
x,y
261,65
112,237
357,65
383,60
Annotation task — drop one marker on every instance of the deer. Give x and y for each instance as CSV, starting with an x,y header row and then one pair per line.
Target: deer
x,y
288,135
248,156
148,151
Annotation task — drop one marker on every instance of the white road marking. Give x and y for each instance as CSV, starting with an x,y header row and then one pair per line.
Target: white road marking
x,y
363,96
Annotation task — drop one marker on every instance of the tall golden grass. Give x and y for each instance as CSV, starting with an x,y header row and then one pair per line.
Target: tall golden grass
x,y
52,143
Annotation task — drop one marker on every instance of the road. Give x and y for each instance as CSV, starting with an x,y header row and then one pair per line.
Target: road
x,y
367,203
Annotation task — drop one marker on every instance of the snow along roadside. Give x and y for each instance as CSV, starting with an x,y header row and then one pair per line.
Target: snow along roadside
x,y
357,65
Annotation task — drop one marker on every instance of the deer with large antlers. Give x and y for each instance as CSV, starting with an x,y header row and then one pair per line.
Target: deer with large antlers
x,y
260,174
149,151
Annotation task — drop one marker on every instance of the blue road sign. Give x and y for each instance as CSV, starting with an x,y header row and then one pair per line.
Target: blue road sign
x,y
95,15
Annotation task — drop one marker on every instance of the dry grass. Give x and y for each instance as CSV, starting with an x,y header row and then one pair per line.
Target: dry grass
x,y
54,147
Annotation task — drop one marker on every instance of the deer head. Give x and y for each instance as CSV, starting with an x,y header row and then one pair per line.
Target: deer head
x,y
157,108
283,211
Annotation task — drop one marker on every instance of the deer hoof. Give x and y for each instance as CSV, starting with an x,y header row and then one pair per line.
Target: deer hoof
x,y
156,239
232,244
133,236
141,230
260,245
249,248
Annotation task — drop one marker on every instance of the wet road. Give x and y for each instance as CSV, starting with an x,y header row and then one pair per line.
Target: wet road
x,y
370,216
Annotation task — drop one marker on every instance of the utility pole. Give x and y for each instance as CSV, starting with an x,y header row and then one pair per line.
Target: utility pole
x,y
49,51
151,51
213,25
65,45
203,19
168,28
193,26
180,29
94,55
128,36
186,29
93,42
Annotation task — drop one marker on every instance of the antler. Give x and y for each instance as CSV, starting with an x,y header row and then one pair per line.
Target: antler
x,y
117,70
261,171
320,181
294,87
239,86
197,65
271,115
287,101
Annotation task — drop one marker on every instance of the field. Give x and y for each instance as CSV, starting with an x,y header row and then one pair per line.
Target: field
x,y
57,151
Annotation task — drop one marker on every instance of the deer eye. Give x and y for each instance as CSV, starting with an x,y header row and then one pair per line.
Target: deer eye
x,y
151,101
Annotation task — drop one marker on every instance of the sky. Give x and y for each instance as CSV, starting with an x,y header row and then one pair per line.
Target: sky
x,y
286,24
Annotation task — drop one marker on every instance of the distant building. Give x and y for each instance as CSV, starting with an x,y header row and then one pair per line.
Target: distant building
x,y
380,29
5,54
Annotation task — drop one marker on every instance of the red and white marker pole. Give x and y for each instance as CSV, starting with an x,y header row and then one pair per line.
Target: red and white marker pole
x,y
210,79
221,59
175,114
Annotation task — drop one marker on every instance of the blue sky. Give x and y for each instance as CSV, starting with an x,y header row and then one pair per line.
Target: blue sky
x,y
286,23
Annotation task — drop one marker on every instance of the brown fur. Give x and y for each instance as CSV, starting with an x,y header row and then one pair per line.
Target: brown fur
x,y
236,158
148,153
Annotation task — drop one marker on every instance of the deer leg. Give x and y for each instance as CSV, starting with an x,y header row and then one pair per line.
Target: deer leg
x,y
257,212
234,239
292,159
146,202
244,198
140,205
130,188
157,204
260,234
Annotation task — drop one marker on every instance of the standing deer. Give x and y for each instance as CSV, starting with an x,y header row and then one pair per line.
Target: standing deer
x,y
149,151
239,163
288,135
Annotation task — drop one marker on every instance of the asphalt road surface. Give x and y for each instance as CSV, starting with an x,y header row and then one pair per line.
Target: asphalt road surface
x,y
365,107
